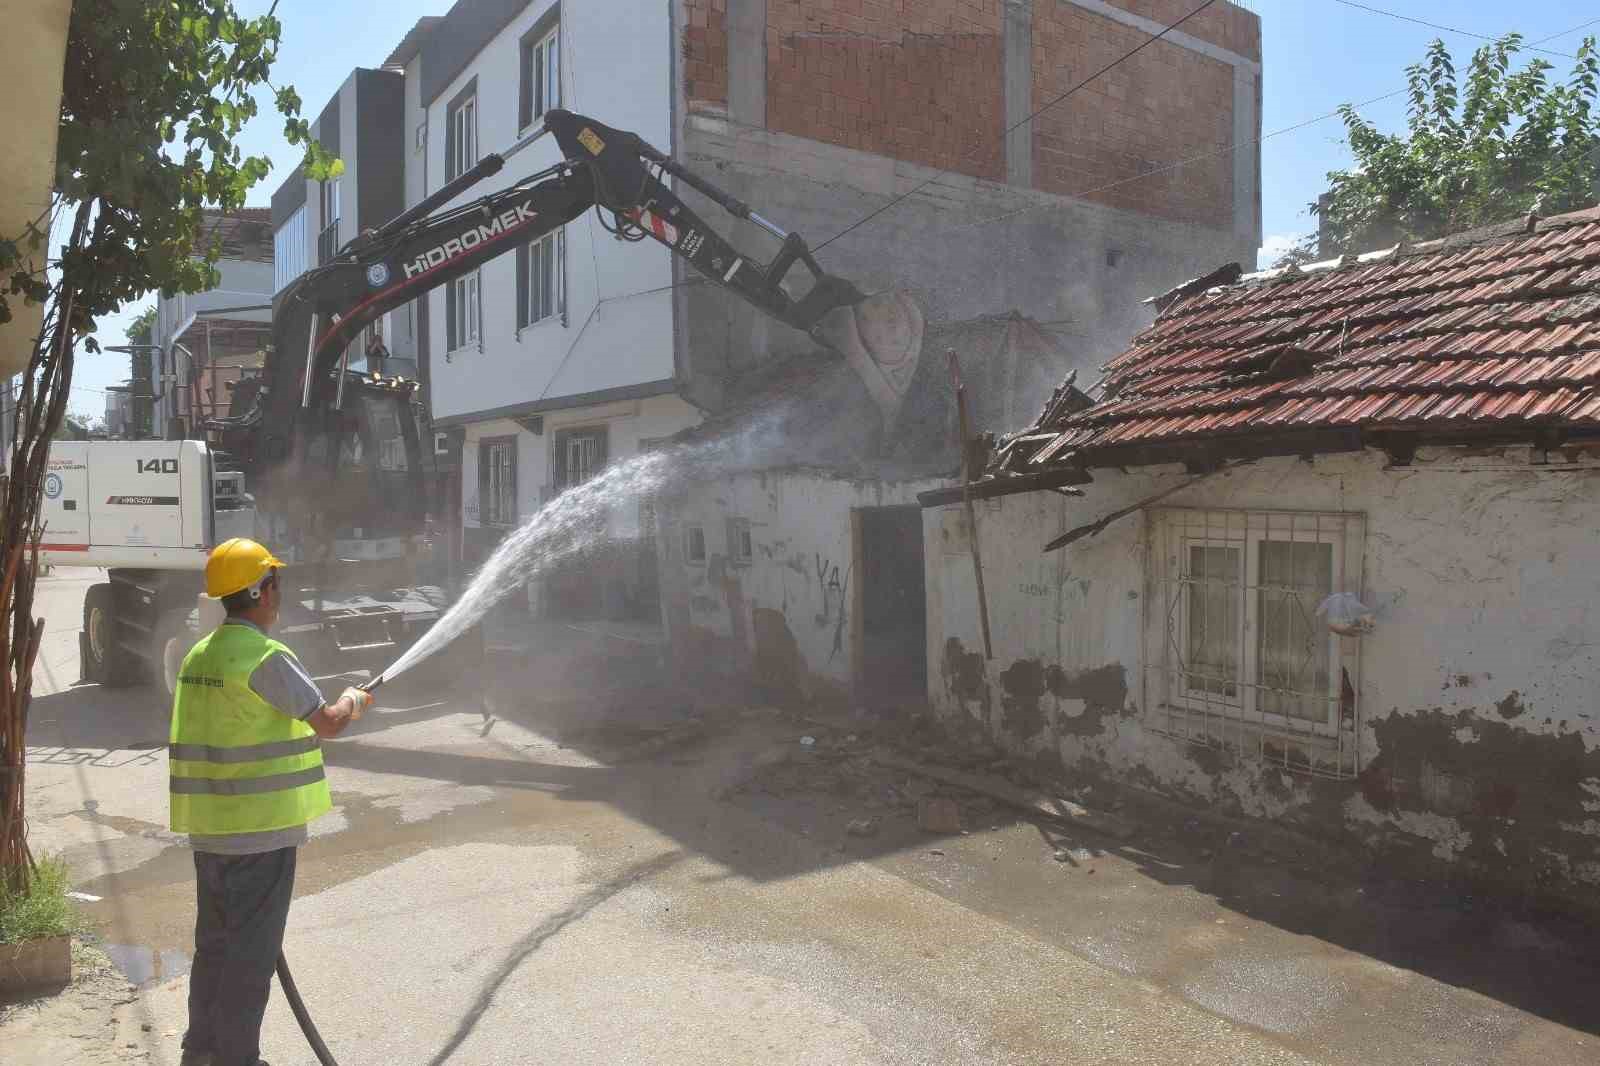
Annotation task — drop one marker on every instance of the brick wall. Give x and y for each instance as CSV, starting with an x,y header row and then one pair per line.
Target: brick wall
x,y
923,81
705,53
1165,104
918,80
1223,24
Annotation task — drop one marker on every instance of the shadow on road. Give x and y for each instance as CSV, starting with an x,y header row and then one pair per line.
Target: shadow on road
x,y
599,696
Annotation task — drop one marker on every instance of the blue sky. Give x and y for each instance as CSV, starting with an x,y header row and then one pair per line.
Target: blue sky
x,y
1317,54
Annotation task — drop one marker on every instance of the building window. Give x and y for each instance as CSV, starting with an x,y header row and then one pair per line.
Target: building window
x,y
497,481
1244,660
578,454
463,311
541,75
289,249
328,238
741,546
542,279
461,133
694,543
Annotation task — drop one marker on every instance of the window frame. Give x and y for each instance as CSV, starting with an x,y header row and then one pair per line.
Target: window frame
x,y
461,146
1249,684
487,446
463,293
689,530
1324,748
537,79
530,281
330,212
741,542
561,446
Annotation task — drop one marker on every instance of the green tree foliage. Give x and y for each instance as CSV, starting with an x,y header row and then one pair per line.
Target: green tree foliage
x,y
154,96
143,326
1506,143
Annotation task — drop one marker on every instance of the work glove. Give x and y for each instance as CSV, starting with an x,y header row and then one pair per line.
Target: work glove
x,y
359,700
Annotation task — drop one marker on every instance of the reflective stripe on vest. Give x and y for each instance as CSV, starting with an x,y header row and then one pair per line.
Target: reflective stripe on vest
x,y
238,764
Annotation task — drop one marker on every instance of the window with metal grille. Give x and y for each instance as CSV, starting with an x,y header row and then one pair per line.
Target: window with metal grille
x,y
497,481
579,455
463,310
542,279
1241,659
541,74
461,133
694,543
741,546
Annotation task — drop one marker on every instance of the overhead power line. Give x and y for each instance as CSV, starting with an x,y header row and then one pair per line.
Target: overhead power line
x,y
1141,46
1450,29
1228,149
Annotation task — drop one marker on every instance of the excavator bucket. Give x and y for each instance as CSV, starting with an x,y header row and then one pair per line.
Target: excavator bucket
x,y
881,338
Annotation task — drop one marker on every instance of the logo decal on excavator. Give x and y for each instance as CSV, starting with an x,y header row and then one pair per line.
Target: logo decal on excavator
x,y
513,218
378,275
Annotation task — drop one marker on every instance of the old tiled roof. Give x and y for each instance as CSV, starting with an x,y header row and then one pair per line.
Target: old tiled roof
x,y
1491,333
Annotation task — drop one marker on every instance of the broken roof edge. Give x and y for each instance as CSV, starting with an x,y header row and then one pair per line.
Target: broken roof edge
x,y
1395,441
1528,225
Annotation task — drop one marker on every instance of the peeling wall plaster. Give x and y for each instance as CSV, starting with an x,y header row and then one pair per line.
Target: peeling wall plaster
x,y
1479,692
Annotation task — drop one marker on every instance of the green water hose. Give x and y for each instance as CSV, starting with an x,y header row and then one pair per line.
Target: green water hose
x,y
301,1015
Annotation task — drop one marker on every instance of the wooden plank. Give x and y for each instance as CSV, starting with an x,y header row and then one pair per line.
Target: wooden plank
x,y
1055,808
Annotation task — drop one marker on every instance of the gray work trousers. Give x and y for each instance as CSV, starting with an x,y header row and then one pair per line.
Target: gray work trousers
x,y
242,908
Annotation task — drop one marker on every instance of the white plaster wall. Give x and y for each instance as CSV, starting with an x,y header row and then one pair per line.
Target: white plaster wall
x,y
619,326
628,423
800,528
1485,571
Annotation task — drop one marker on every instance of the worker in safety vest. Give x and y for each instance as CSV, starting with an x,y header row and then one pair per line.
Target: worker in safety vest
x,y
246,778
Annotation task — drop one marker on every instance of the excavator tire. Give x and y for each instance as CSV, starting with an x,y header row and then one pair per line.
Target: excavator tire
x,y
104,658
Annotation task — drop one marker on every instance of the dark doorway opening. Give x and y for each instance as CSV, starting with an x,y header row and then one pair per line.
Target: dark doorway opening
x,y
892,665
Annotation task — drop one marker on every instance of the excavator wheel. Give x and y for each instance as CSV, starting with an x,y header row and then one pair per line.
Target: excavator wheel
x,y
104,658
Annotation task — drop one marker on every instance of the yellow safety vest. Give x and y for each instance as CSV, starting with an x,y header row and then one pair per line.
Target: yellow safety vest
x,y
238,764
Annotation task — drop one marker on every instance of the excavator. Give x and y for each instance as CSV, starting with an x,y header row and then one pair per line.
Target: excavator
x,y
334,458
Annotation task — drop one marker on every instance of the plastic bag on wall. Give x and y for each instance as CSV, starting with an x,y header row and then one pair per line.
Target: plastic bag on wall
x,y
1346,614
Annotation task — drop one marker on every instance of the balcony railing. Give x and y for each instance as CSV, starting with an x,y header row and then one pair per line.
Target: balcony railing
x,y
328,242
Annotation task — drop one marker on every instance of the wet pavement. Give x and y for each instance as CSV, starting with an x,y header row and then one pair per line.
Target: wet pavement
x,y
585,874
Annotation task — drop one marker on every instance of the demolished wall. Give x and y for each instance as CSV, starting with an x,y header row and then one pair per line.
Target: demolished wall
x,y
1474,714
784,619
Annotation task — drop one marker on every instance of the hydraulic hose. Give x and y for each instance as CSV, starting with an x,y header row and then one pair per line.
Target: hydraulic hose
x,y
301,1015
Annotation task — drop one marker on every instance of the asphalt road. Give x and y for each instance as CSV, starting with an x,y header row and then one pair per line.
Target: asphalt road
x,y
508,889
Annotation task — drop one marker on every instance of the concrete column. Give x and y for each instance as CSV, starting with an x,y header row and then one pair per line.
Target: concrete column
x,y
1018,79
747,62
1247,156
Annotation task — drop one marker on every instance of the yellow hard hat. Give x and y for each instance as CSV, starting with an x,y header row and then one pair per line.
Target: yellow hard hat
x,y
237,564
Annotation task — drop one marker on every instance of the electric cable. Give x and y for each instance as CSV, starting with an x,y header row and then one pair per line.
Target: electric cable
x,y
1447,29
1228,148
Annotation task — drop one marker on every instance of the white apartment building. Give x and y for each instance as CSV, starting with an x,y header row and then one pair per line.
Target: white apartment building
x,y
552,362
192,328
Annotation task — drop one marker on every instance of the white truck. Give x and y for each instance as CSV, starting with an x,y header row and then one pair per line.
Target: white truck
x,y
149,512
